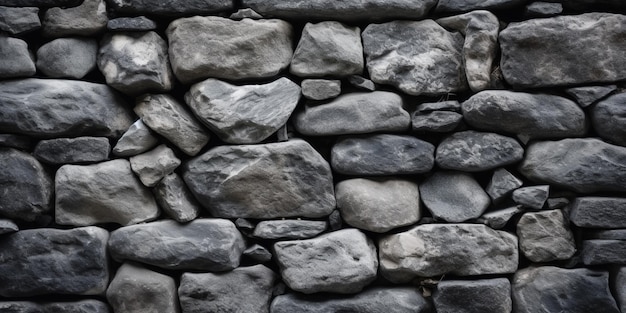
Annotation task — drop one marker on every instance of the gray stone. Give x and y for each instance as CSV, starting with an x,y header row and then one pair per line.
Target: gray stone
x,y
135,289
244,289
400,53
67,57
543,9
53,261
131,24
382,154
243,114
202,244
73,150
202,47
557,203
533,115
453,196
437,249
620,288
245,13
8,226
320,89
286,179
610,234
449,105
603,251
137,139
82,306
499,218
541,52
155,164
135,62
106,192
19,20
335,222
533,197
258,253
598,212
289,229
354,113
553,289
25,186
15,58
608,118
244,224
436,121
40,3
378,205
343,261
57,108
595,165
586,96
473,151
502,183
545,236
328,49
16,141
473,296
457,6
361,82
175,199
171,8
87,19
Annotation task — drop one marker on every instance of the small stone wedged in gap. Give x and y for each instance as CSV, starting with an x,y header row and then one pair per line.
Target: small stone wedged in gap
x,y
289,229
453,196
137,139
320,89
557,203
71,57
87,19
608,118
361,82
603,252
448,105
533,197
245,13
131,24
16,141
81,306
15,58
335,222
545,236
598,212
8,226
175,199
170,8
502,184
73,150
436,121
473,296
258,253
155,164
620,288
459,6
497,219
543,9
19,20
588,95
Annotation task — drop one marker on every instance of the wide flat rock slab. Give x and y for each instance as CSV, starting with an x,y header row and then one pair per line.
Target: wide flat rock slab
x,y
86,19
289,229
458,6
603,252
473,296
73,150
170,8
135,289
82,306
599,212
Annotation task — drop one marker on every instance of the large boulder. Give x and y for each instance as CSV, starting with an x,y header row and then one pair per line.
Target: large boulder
x,y
453,196
170,8
473,296
135,289
598,212
609,119
603,251
289,229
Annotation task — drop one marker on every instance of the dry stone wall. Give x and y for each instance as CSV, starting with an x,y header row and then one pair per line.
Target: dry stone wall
x,y
286,156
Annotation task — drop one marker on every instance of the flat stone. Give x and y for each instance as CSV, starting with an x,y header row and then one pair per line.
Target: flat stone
x,y
243,114
449,105
8,226
131,24
135,289
453,196
595,165
175,199
137,139
106,192
499,218
297,181
258,253
53,261
502,184
289,229
473,296
67,57
73,150
533,197
361,82
155,164
202,244
399,54
545,236
354,113
82,306
436,121
16,141
586,96
458,6
603,251
598,212
437,249
171,8
19,20
620,288
382,154
320,89
86,19
15,58
245,13
610,234
244,289
202,47
343,262
608,118
40,3
543,9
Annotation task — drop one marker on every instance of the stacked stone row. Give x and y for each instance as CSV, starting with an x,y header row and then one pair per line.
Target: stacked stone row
x,y
405,156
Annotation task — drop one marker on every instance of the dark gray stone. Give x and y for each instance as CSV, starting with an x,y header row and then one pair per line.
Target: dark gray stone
x,y
533,197
171,8
608,118
8,226
155,164
82,306
557,203
586,96
473,296
436,121
545,236
135,289
458,6
499,218
67,57
244,224
137,139
40,3
19,20
335,222
453,196
620,288
320,89
15,58
543,9
131,24
245,13
73,150
599,212
258,253
502,183
449,105
603,251
86,19
16,141
361,82
289,229
175,199
610,234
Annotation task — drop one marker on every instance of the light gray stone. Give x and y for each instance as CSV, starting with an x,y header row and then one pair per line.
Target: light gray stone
x,y
436,121
543,9
19,20
610,234
258,253
155,164
67,57
453,196
533,197
175,199
171,8
598,212
603,251
499,218
457,6
473,296
289,229
502,184
82,306
586,96
137,139
135,289
245,13
449,105
608,118
86,19
361,82
131,24
545,236
8,226
73,150
15,58
320,89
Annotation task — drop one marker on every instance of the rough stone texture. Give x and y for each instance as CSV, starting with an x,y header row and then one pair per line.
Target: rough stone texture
x,y
620,288
335,222
40,3
287,179
616,234
155,164
67,57
596,165
175,199
545,236
138,290
533,197
457,6
19,20
202,47
449,105
378,205
361,82
436,121
543,9
243,114
82,306
382,154
8,226
453,196
399,53
289,229
25,187
474,296
52,261
599,212
553,289
354,113
15,59
603,251
245,13
328,49
533,115
131,24
16,141
89,18
343,261
437,249
320,89
586,96
202,244
540,52
244,289
609,119
170,8
137,139
106,192
557,203
499,218
502,183
73,150
258,253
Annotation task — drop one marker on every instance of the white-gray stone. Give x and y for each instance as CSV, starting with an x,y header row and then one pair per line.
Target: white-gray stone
x,y
289,229
436,121
8,226
137,139
499,218
67,57
608,118
533,197
245,13
453,196
598,212
135,289
87,19
155,164
543,9
502,184
320,89
15,58
175,199
19,20
73,150
258,253
473,296
545,236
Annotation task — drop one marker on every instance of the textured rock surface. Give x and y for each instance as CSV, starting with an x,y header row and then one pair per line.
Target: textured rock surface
x,y
543,9
499,218
545,236
586,96
89,18
609,119
603,251
82,306
135,289
599,212
289,229
258,253
502,183
67,57
15,58
131,24
320,89
19,20
361,82
8,226
40,3
436,121
137,139
474,296
155,164
171,8
245,13
620,283
533,197
73,150
453,196
175,199
470,5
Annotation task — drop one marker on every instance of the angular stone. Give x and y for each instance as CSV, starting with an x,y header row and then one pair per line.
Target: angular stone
x,y
457,6
202,244
557,203
553,289
106,192
499,218
135,289
586,96
502,183
171,8
335,222
533,197
320,89
436,121
202,47
89,18
244,225
155,164
378,205
137,139
287,179
608,118
541,52
545,236
244,289
40,3
436,249
82,306
53,261
382,154
258,253
599,212
453,196
361,82
603,251
175,199
289,229
400,53
15,58
243,114
595,165
8,226
131,24
67,57
473,296
354,113
343,261
73,150
450,105
543,9
16,141
19,20
245,13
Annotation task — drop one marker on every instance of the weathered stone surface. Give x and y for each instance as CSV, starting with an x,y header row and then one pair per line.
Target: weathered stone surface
x,y
603,251
557,203
320,89
171,8
19,20
175,199
15,59
8,226
245,13
131,24
533,197
335,222
553,289
16,141
89,18
458,6
499,218
620,288
378,205
40,3
243,114
543,9
244,289
25,186
473,296
611,234
106,192
545,236
52,261
599,212
609,119
67,57
137,139
73,150
135,289
361,82
436,121
449,105
586,96
541,52
289,229
436,249
533,115
258,253
82,306
382,154
473,151
202,47
400,53
155,164
596,165
202,244
287,179
354,113
502,183
56,108
453,196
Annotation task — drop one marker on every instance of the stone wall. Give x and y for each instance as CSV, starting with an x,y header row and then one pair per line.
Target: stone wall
x,y
312,156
